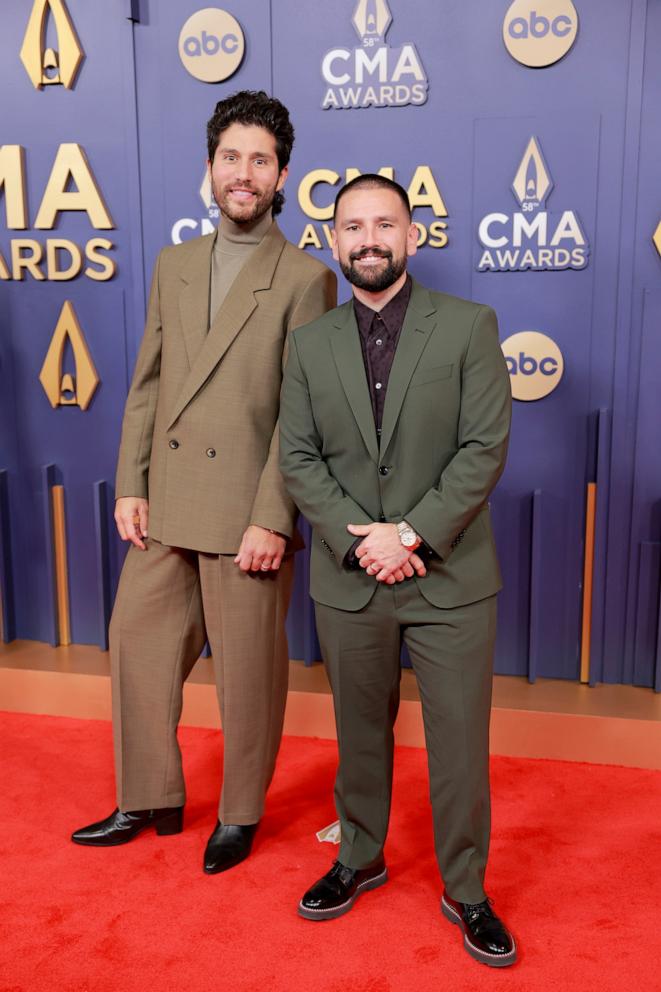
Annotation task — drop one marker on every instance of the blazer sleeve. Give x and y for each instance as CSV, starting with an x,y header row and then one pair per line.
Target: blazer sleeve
x,y
315,491
483,434
273,508
140,409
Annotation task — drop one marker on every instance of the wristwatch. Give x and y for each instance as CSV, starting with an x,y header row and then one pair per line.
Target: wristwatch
x,y
410,540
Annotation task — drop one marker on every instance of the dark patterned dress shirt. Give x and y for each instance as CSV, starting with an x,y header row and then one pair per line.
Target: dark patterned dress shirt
x,y
379,335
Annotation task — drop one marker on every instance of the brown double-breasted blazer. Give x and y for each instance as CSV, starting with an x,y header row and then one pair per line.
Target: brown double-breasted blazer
x,y
200,430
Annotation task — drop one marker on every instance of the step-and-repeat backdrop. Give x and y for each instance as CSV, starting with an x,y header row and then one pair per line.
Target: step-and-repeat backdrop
x,y
527,134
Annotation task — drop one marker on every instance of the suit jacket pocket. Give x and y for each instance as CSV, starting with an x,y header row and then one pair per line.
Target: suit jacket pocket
x,y
432,375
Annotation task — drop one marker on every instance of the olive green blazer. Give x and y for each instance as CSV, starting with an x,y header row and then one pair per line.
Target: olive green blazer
x,y
442,449
199,437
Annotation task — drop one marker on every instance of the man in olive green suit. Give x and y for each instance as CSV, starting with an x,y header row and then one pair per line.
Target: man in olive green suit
x,y
394,419
201,498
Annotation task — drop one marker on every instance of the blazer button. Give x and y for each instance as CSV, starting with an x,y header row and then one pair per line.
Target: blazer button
x,y
211,452
384,469
174,443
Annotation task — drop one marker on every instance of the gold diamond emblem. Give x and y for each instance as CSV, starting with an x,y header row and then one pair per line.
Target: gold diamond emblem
x,y
67,389
47,66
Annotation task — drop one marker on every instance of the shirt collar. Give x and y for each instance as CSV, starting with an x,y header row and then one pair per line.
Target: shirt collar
x,y
392,314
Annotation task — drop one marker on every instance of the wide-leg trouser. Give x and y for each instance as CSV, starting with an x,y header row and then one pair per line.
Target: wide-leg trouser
x,y
452,656
169,601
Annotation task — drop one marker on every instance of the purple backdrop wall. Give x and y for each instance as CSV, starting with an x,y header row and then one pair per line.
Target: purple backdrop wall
x,y
140,118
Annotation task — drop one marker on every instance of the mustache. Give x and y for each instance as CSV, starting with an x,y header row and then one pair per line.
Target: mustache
x,y
245,187
378,252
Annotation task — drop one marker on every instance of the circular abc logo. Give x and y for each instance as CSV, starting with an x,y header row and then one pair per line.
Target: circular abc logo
x,y
535,364
539,32
211,45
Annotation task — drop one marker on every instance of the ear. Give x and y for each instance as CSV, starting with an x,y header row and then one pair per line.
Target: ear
x,y
412,236
282,178
334,247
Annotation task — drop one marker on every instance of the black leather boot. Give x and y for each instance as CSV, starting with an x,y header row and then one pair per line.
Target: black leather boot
x,y
228,846
120,828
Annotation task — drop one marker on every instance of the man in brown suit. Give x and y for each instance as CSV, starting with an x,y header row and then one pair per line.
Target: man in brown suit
x,y
200,496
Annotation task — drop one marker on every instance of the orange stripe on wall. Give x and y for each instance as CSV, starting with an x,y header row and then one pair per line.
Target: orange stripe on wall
x,y
588,566
61,565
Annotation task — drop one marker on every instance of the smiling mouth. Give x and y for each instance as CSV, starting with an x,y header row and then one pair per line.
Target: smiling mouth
x,y
241,194
371,259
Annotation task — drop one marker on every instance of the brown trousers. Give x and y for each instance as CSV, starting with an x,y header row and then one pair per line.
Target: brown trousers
x,y
169,602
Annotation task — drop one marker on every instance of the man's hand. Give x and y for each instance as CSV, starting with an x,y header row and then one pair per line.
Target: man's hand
x,y
260,550
132,519
383,555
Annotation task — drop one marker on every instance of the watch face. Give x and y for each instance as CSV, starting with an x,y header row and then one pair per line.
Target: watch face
x,y
408,538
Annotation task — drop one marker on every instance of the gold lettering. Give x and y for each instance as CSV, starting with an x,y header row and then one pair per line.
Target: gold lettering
x,y
71,164
68,390
309,238
29,262
56,274
423,180
438,237
12,177
307,184
4,271
93,248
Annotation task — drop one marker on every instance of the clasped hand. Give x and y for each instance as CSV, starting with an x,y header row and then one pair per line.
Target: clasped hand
x,y
383,555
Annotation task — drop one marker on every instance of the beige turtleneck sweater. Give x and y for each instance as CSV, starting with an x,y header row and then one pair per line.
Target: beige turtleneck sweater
x,y
232,248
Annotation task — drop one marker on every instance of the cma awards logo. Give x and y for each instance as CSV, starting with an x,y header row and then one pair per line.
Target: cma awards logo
x,y
374,75
532,238
538,33
77,387
48,66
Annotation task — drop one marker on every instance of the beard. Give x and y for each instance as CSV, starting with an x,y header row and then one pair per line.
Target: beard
x,y
243,213
377,278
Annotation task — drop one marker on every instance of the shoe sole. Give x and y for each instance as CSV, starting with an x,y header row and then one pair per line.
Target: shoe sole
x,y
484,957
332,914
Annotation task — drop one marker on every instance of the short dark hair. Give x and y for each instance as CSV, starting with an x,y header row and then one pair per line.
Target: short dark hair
x,y
370,180
254,107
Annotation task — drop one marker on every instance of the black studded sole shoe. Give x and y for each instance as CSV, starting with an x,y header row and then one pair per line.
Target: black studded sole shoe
x,y
486,938
335,893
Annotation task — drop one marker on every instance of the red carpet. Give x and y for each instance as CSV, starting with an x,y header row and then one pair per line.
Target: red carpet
x,y
574,870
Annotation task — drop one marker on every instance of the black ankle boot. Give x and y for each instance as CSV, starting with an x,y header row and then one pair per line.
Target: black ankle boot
x,y
120,828
228,846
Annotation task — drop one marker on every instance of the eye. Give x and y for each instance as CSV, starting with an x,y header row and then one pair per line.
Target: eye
x,y
260,161
385,223
229,158
351,227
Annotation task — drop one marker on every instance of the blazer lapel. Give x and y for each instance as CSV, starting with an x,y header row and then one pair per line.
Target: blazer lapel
x,y
238,306
418,324
348,355
194,297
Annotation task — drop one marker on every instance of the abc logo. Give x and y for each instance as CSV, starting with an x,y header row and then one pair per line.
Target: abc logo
x,y
535,364
211,45
539,32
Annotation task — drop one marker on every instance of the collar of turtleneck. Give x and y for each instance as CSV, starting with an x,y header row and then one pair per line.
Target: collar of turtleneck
x,y
234,239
